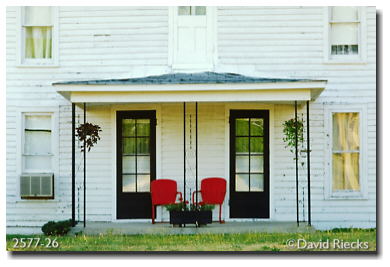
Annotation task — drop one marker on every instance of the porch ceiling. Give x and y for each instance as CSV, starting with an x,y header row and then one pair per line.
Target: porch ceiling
x,y
191,87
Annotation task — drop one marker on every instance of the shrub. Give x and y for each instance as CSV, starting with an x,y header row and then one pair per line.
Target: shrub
x,y
57,228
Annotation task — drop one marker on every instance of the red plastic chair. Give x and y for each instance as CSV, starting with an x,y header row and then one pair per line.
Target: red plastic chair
x,y
164,192
213,191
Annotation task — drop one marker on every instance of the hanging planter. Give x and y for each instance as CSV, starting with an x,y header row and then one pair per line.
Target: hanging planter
x,y
89,133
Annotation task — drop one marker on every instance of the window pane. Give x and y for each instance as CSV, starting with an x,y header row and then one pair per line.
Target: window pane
x,y
257,144
128,183
257,182
242,163
143,145
344,34
242,144
345,171
242,182
37,163
257,126
242,127
346,131
143,164
129,146
257,164
143,183
38,16
184,10
143,127
37,142
341,13
345,49
128,164
38,42
128,127
38,122
200,10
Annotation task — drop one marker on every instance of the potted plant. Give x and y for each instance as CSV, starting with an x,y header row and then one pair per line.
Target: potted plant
x,y
181,214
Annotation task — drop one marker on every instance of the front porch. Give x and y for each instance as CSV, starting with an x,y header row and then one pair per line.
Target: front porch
x,y
135,228
175,102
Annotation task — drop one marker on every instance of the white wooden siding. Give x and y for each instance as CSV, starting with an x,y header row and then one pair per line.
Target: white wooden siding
x,y
121,42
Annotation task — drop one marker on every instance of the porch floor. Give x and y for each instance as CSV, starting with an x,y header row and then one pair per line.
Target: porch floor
x,y
132,228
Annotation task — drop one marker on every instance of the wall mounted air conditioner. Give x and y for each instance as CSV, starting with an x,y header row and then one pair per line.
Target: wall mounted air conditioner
x,y
37,186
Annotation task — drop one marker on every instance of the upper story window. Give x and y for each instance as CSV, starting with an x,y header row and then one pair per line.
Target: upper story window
x,y
192,38
346,33
38,37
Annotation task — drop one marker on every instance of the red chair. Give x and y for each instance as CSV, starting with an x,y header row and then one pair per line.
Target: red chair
x,y
164,192
213,191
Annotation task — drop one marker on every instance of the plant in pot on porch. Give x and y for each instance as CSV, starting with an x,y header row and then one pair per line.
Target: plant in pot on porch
x,y
181,214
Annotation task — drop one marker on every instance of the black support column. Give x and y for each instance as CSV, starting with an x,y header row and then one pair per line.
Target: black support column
x,y
184,149
296,160
73,165
85,169
308,161
196,151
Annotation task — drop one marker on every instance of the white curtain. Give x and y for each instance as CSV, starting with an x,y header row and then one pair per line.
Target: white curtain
x,y
345,158
38,42
38,32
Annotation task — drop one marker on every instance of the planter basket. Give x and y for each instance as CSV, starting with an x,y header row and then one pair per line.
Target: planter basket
x,y
189,217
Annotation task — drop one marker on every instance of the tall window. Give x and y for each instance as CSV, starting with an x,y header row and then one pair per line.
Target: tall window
x,y
345,33
37,143
346,152
38,34
192,37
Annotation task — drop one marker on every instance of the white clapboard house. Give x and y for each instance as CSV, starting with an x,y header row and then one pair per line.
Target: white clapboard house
x,y
186,93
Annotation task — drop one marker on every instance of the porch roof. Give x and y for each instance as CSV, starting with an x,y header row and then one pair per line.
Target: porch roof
x,y
181,87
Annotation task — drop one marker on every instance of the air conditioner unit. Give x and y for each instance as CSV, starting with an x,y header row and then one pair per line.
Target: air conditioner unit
x,y
37,186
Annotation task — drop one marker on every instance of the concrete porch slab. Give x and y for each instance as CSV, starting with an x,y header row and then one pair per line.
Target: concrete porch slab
x,y
133,228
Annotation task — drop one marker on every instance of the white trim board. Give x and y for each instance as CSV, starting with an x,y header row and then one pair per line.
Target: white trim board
x,y
277,93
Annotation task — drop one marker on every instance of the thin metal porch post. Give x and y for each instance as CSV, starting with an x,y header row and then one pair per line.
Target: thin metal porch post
x,y
296,159
73,165
196,150
308,161
85,170
184,149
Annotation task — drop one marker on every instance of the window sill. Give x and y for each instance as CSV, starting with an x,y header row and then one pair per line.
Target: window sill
x,y
346,196
37,201
345,61
38,66
192,67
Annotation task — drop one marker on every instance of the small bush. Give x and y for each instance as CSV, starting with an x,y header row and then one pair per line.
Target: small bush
x,y
57,228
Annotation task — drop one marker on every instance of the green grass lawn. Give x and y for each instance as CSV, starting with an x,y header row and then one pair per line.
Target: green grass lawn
x,y
201,242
